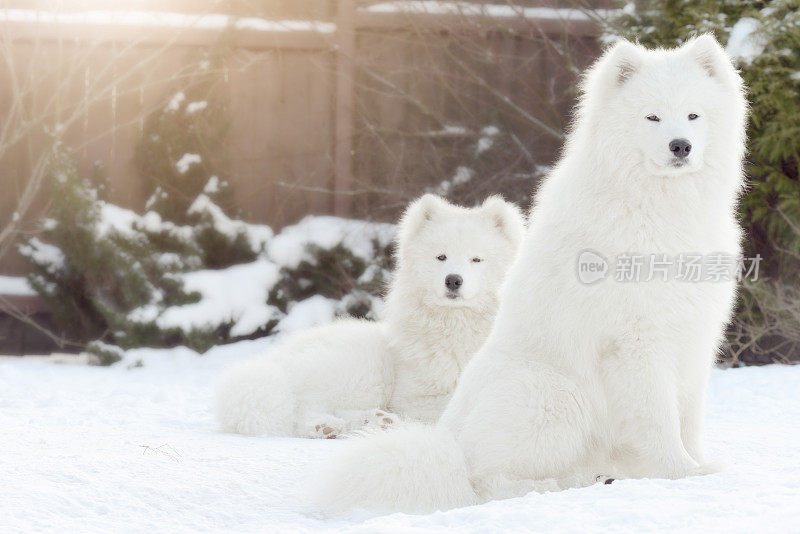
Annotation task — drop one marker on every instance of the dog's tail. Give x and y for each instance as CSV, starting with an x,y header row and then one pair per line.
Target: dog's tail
x,y
256,397
413,468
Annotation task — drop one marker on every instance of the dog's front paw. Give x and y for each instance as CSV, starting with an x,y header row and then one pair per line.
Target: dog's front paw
x,y
325,431
326,428
380,419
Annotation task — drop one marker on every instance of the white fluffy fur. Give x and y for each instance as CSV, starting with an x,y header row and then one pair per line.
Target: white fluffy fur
x,y
579,380
345,376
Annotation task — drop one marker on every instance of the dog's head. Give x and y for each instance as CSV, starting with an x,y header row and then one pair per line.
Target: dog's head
x,y
668,111
452,256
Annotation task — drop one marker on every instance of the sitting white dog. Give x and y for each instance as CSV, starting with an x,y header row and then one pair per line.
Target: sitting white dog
x,y
352,373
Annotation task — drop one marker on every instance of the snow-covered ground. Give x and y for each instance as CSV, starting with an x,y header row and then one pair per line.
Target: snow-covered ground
x,y
135,449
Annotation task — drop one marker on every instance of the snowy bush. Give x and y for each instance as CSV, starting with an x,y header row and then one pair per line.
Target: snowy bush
x,y
112,276
104,353
180,158
309,273
345,261
97,264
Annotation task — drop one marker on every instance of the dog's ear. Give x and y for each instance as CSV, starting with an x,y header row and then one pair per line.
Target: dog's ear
x,y
506,217
621,61
707,52
418,214
618,64
612,71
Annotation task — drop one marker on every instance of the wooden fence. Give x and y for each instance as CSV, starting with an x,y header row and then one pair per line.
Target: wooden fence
x,y
352,116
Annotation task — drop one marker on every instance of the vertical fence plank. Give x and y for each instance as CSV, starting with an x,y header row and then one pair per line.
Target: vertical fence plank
x,y
345,87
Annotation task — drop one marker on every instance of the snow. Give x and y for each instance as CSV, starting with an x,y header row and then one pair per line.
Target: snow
x,y
123,448
158,19
288,248
193,107
237,294
175,102
447,131
251,23
486,141
158,194
484,144
43,254
15,286
212,186
463,175
186,161
309,312
487,10
128,223
629,8
113,217
371,273
744,44
257,234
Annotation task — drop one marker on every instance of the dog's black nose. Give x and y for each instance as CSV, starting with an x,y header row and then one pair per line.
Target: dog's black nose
x,y
680,147
453,281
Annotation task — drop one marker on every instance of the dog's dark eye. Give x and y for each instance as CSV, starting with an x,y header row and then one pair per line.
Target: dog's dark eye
x,y
692,116
441,257
476,260
653,118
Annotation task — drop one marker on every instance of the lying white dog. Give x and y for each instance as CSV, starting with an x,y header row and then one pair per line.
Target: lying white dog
x,y
600,355
355,373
